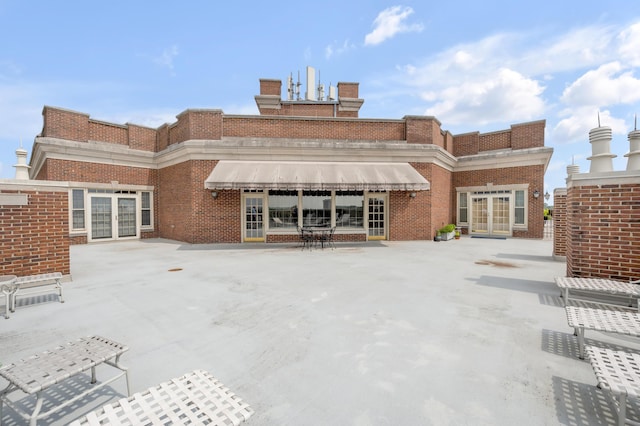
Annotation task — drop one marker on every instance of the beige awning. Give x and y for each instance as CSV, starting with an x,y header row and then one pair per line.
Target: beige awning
x,y
291,175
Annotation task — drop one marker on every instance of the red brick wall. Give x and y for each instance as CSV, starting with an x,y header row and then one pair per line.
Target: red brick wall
x,y
75,126
511,176
348,90
307,128
528,135
270,87
495,140
34,239
196,124
423,130
467,144
604,231
559,223
108,132
142,138
521,136
80,171
65,124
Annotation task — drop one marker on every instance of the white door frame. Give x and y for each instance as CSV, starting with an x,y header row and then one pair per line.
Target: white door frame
x,y
114,216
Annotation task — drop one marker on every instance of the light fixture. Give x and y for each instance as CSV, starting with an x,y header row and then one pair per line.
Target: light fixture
x,y
412,194
547,195
214,194
536,193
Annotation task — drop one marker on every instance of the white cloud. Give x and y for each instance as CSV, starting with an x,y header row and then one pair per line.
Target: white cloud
x,y
629,42
332,49
507,96
390,22
609,84
165,59
580,120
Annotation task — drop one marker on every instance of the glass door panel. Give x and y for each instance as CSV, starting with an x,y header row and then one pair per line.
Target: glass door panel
x,y
101,218
500,212
479,215
253,226
377,219
126,217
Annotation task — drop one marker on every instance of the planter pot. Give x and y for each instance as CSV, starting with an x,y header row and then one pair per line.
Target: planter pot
x,y
448,236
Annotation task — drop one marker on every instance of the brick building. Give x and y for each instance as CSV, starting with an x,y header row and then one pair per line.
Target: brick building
x,y
597,216
211,177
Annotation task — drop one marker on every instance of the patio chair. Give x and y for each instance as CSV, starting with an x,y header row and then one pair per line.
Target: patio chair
x,y
306,238
617,373
195,398
327,238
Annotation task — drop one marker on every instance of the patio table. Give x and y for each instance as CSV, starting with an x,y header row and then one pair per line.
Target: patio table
x,y
8,287
318,234
36,373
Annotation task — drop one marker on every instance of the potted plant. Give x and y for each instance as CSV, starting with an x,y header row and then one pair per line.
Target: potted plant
x,y
447,232
457,235
438,236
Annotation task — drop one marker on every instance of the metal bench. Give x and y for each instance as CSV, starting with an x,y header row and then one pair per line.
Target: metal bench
x,y
627,293
35,374
195,398
605,320
618,374
34,284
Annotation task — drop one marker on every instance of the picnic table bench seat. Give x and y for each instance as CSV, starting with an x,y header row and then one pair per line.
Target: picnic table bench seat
x,y
36,373
30,285
604,320
609,292
195,398
618,374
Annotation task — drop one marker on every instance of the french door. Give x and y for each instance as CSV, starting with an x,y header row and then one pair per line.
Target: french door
x,y
377,217
112,217
253,206
491,215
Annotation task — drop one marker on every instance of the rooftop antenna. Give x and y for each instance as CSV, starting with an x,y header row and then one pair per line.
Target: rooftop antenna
x,y
290,88
298,87
320,88
598,118
635,122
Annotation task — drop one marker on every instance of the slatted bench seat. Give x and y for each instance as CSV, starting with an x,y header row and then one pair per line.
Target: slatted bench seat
x,y
196,398
618,374
617,292
37,373
36,284
605,320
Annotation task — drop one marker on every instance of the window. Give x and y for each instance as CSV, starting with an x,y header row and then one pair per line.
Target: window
x,y
349,209
463,209
77,209
283,209
316,208
519,208
145,207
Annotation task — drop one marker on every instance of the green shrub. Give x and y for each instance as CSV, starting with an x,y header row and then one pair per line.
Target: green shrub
x,y
447,228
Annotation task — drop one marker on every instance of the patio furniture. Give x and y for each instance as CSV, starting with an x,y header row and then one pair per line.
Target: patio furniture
x,y
306,237
604,320
37,373
35,284
327,237
195,398
618,375
7,286
599,286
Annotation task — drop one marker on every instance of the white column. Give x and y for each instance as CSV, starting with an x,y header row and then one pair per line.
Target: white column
x,y
601,158
22,169
633,157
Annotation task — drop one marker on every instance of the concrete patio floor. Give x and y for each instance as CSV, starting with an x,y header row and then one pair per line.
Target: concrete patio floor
x,y
463,332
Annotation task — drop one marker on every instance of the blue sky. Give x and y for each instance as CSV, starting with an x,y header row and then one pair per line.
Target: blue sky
x,y
473,65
